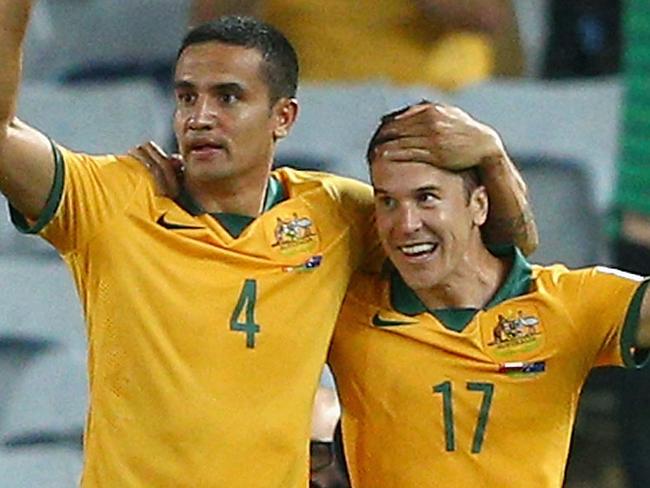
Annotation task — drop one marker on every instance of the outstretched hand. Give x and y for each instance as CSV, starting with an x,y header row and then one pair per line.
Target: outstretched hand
x,y
166,169
438,134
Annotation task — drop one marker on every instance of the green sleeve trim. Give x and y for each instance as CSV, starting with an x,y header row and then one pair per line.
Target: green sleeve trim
x,y
634,358
53,200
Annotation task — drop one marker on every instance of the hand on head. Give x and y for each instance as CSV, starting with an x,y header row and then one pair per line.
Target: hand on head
x,y
433,133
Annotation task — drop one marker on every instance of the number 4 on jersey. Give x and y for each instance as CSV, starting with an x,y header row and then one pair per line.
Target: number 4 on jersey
x,y
245,309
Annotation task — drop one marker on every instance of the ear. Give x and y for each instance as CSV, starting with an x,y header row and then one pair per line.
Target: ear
x,y
479,204
284,114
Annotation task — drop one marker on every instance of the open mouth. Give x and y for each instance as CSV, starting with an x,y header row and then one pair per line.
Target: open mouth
x,y
420,250
207,147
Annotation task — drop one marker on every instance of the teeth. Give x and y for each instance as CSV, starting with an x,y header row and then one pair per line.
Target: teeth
x,y
418,248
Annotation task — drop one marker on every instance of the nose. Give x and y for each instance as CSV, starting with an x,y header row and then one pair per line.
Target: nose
x,y
203,115
408,219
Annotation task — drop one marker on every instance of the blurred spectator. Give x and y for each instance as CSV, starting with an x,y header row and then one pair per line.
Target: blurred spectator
x,y
509,57
443,43
632,246
112,39
584,38
327,463
205,10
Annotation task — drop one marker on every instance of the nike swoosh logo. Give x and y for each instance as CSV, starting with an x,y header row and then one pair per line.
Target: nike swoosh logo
x,y
171,226
379,322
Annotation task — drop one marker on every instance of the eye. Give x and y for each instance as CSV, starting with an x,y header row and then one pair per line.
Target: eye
x,y
427,199
228,98
185,98
384,202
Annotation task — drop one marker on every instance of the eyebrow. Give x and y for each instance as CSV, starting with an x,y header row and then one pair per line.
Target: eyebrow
x,y
219,87
428,188
183,84
417,190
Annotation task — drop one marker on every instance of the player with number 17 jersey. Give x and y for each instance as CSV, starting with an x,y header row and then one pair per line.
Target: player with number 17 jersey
x,y
476,398
207,333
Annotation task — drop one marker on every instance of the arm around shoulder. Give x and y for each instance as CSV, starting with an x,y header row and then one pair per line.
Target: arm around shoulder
x,y
357,204
511,218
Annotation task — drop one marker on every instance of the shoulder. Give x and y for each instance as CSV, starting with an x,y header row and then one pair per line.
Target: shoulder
x,y
124,161
337,188
558,276
106,167
551,274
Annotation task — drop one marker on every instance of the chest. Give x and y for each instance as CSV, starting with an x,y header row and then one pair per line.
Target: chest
x,y
523,345
172,280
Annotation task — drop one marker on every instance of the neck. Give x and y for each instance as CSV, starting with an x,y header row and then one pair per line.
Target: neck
x,y
472,284
241,195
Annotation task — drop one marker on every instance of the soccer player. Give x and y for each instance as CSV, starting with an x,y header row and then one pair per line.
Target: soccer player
x,y
208,316
462,365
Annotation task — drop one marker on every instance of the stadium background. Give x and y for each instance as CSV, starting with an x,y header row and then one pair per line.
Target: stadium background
x,y
96,79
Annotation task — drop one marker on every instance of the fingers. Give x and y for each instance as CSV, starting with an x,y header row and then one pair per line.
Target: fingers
x,y
136,152
413,110
411,155
438,134
452,153
174,160
429,113
406,142
419,120
423,106
167,167
166,170
408,149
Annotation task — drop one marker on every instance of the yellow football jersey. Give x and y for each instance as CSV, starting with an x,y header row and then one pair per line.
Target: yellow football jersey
x,y
469,398
206,341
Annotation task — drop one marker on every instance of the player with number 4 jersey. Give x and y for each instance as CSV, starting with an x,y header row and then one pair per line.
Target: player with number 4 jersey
x,y
204,332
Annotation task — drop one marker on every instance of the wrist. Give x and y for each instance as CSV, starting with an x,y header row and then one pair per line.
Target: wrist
x,y
493,162
492,149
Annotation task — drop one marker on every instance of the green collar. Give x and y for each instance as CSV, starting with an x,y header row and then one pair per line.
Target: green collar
x,y
405,301
235,224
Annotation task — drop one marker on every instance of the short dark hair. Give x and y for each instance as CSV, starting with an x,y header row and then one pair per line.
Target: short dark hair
x,y
280,67
471,176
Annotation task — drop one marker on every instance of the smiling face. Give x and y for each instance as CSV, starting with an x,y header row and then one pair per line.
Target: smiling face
x,y
428,224
225,122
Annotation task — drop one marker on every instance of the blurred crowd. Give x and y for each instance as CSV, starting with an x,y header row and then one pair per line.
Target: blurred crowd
x,y
444,43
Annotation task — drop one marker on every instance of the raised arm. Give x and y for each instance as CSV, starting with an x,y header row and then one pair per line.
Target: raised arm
x,y
26,160
448,137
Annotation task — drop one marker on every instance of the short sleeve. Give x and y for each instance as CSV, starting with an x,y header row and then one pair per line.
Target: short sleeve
x,y
87,192
605,305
